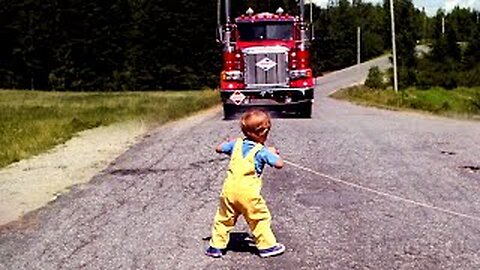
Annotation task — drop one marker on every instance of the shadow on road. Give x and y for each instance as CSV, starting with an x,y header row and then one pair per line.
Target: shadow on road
x,y
273,115
240,242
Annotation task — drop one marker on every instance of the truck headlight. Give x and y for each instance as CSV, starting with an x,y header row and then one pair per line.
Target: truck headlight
x,y
234,75
300,73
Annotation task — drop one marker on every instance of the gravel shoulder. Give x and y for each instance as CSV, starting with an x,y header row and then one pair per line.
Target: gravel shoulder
x,y
32,183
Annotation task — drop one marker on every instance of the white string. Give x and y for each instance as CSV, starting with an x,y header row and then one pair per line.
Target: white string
x,y
381,193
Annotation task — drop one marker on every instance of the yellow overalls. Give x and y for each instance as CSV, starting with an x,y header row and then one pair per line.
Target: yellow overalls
x,y
241,195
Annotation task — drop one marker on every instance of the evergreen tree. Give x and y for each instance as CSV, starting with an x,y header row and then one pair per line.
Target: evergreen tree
x,y
462,21
10,36
446,46
139,44
472,52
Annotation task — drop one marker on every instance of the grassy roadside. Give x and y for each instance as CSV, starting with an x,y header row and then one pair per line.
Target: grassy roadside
x,y
33,121
459,103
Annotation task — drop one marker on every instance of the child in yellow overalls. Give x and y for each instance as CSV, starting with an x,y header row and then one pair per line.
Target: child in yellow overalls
x,y
241,189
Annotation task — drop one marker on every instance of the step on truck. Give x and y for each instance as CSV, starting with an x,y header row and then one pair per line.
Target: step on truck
x,y
265,62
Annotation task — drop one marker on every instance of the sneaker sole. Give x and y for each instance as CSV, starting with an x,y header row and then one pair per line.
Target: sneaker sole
x,y
216,256
273,253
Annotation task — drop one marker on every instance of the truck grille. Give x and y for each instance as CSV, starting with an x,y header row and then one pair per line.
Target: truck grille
x,y
266,67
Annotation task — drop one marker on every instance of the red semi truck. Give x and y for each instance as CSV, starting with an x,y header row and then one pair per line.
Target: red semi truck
x,y
266,63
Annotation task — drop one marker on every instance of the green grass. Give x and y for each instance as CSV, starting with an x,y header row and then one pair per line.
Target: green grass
x,y
459,103
33,121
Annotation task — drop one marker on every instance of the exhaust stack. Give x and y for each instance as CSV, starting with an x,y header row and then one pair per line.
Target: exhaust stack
x,y
227,11
228,28
303,26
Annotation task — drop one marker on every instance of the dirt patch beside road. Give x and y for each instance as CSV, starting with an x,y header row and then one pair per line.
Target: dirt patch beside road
x,y
32,183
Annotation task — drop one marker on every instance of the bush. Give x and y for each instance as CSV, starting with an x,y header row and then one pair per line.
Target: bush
x,y
406,77
475,102
470,78
375,78
447,74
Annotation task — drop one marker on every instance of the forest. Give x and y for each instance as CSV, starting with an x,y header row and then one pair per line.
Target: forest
x,y
118,45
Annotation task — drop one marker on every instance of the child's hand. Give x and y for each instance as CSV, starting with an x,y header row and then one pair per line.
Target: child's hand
x,y
230,139
273,150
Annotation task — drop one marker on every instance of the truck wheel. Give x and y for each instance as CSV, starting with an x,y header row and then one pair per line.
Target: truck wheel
x,y
305,110
228,112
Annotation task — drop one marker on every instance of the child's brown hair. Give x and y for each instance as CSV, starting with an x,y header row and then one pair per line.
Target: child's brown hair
x,y
256,124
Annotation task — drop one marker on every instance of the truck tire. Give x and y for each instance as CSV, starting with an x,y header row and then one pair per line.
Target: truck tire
x,y
228,112
305,110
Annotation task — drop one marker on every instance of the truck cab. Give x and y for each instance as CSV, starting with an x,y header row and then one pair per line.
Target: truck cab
x,y
266,64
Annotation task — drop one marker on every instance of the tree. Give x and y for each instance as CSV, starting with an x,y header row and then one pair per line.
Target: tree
x,y
138,44
446,45
10,37
336,25
462,22
472,52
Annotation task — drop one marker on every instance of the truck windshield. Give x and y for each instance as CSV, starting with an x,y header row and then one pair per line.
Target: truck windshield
x,y
265,30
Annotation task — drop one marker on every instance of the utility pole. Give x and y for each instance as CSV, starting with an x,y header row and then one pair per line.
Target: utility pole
x,y
443,25
424,35
394,49
358,45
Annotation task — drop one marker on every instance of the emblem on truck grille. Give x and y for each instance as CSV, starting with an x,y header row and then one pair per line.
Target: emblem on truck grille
x,y
266,64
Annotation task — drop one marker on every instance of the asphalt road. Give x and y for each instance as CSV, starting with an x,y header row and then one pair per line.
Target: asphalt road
x,y
153,207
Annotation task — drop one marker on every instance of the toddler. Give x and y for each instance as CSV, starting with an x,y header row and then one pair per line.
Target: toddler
x,y
241,190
